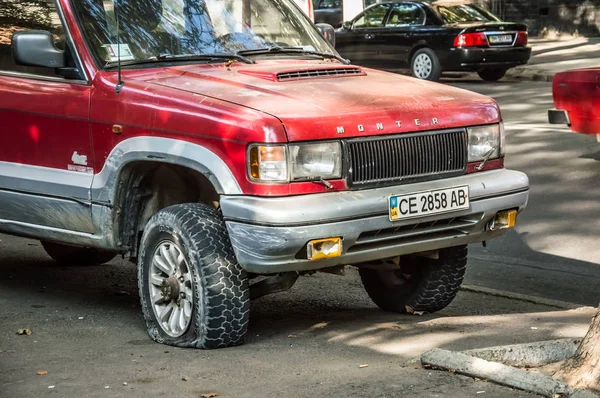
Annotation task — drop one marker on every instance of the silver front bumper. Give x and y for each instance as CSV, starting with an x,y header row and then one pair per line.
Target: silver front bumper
x,y
269,235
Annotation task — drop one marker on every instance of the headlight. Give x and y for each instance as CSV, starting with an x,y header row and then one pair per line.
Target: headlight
x,y
309,161
295,162
486,142
269,163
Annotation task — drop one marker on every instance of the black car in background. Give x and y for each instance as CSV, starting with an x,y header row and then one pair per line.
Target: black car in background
x,y
431,37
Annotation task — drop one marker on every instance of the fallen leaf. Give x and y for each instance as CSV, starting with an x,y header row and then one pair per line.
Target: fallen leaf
x,y
292,336
409,309
24,332
184,379
452,370
418,312
366,365
209,395
42,372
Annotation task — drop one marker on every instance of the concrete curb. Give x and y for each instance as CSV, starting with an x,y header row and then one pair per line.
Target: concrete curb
x,y
532,74
499,373
521,297
530,354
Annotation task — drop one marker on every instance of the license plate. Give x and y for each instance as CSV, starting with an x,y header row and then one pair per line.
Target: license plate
x,y
428,203
500,39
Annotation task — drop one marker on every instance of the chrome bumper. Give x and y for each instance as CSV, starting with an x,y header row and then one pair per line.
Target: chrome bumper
x,y
269,235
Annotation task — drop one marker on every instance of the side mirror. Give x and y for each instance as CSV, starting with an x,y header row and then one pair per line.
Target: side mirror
x,y
328,32
36,48
347,25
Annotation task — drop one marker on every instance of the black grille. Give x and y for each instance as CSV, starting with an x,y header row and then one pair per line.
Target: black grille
x,y
406,158
307,74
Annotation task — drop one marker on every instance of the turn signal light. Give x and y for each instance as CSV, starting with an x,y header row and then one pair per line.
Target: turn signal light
x,y
522,38
504,220
319,249
471,40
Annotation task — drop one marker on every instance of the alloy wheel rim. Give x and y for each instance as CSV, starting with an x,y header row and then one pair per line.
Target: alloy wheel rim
x,y
171,289
423,66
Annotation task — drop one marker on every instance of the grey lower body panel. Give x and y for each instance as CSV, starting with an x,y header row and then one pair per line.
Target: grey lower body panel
x,y
264,247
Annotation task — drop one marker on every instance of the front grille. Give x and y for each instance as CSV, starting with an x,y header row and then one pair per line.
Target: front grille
x,y
308,74
406,158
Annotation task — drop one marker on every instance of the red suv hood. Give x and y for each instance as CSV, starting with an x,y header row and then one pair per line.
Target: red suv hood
x,y
332,105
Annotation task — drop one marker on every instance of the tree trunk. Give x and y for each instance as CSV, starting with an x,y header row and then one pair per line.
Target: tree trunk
x,y
583,369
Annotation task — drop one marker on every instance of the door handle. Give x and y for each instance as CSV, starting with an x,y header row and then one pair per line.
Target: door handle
x,y
369,36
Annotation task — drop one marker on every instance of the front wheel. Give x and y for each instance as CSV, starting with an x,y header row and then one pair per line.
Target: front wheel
x,y
425,65
420,285
492,74
192,290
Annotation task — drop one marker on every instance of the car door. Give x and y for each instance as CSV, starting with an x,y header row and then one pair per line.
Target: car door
x,y
402,30
45,154
361,42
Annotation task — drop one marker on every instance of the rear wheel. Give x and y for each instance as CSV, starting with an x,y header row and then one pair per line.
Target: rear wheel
x,y
492,74
193,291
75,255
420,285
425,65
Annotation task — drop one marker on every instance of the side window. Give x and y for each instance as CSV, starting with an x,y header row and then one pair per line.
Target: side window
x,y
372,17
330,4
17,15
406,14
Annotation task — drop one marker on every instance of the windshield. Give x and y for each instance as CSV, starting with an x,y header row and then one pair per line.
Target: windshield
x,y
151,29
465,13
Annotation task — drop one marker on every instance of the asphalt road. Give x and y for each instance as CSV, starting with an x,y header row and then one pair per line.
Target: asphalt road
x,y
554,251
88,333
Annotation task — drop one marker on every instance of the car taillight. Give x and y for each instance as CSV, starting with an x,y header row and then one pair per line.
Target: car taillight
x,y
521,38
470,40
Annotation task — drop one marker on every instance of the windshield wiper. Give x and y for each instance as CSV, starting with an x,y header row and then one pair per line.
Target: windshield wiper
x,y
291,50
186,57
191,57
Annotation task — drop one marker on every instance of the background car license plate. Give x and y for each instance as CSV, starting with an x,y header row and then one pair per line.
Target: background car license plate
x,y
500,39
428,202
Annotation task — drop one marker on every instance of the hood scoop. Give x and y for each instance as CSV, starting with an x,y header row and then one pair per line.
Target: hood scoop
x,y
306,73
314,73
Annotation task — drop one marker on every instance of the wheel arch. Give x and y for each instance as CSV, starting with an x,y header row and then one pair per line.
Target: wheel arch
x,y
416,47
146,174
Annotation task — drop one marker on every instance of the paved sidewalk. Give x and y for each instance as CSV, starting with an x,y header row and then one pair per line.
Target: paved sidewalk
x,y
553,56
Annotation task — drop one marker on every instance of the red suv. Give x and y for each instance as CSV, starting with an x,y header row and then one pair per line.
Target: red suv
x,y
226,149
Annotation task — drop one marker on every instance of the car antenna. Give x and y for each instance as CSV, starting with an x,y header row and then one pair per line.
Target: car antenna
x,y
120,83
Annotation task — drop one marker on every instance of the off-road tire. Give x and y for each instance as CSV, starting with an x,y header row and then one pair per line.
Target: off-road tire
x,y
76,255
436,67
432,286
221,302
492,74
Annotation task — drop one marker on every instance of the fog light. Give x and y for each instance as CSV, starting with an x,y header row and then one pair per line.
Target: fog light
x,y
504,220
324,248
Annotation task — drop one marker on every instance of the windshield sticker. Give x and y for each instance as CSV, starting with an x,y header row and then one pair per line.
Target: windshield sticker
x,y
112,52
308,48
